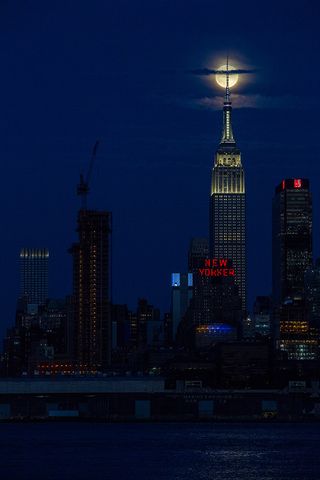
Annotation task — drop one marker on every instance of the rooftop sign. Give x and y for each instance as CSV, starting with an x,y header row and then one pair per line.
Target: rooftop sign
x,y
216,267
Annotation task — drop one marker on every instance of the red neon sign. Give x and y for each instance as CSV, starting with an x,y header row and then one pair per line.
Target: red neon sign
x,y
283,184
297,183
216,267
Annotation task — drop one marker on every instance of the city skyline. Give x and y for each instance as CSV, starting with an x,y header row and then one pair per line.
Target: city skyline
x,y
160,242
170,121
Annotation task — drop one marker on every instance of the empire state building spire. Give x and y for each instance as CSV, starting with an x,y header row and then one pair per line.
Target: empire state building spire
x,y
227,134
227,236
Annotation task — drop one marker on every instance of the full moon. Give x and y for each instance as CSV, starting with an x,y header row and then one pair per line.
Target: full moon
x,y
221,78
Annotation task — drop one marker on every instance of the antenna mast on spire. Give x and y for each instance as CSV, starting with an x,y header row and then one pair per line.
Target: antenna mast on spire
x,y
227,81
227,135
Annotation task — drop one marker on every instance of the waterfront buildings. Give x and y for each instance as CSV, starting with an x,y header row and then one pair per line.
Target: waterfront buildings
x,y
297,337
40,336
227,235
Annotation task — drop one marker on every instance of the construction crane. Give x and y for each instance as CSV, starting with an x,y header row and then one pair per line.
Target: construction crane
x,y
83,186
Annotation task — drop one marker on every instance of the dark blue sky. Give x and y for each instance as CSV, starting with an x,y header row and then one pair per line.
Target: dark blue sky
x,y
75,71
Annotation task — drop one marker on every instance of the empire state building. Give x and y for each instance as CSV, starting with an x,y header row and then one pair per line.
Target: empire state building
x,y
227,236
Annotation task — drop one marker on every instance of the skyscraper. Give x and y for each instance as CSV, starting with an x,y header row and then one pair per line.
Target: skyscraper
x,y
200,311
291,238
291,258
181,294
34,275
227,236
91,289
214,311
197,253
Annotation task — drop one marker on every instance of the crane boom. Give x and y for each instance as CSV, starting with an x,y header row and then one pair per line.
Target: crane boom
x,y
93,156
83,186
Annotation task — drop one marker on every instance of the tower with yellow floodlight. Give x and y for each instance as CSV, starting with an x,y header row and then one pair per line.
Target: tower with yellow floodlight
x,y
227,198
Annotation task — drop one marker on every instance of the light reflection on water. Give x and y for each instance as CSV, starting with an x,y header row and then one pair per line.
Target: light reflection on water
x,y
159,451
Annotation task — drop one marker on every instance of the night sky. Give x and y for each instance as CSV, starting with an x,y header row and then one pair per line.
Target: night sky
x,y
119,71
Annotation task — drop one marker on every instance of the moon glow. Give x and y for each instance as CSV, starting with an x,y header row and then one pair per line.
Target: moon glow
x,y
221,78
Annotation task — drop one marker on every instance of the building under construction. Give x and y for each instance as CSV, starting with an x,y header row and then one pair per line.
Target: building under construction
x,y
92,283
91,289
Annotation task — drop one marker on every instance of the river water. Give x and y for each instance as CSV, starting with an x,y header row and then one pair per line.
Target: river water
x,y
98,451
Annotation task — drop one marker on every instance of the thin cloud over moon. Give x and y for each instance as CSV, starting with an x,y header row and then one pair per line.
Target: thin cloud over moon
x,y
209,71
248,101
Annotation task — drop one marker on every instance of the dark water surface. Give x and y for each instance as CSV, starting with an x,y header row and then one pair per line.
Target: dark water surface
x,y
84,451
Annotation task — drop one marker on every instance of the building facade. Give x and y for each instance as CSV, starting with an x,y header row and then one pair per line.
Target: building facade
x,y
227,235
291,238
181,294
262,317
297,337
34,275
312,293
92,289
199,310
